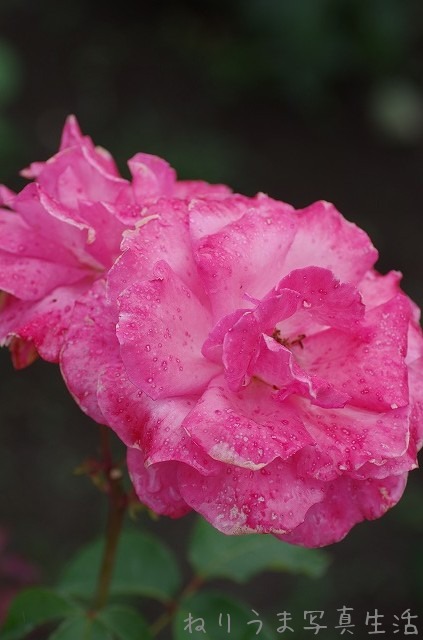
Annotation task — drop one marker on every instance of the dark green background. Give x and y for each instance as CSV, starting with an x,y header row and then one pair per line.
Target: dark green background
x,y
302,99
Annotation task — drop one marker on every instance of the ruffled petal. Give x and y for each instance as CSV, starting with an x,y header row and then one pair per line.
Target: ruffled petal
x,y
91,345
346,439
42,324
246,256
274,499
347,502
368,365
325,239
161,235
152,426
157,486
248,429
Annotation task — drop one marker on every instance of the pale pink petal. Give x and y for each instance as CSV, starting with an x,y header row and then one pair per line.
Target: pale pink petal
x,y
347,502
161,235
274,499
161,330
248,429
187,189
32,278
275,365
152,177
246,256
325,239
7,196
347,438
157,486
18,237
107,228
376,288
42,324
48,217
369,365
324,299
208,216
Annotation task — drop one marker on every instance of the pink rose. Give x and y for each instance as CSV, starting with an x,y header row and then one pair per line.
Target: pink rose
x,y
63,231
257,367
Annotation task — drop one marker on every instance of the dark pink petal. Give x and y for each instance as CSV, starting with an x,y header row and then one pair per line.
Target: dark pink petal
x,y
91,344
42,324
152,426
248,429
246,256
274,499
347,502
161,329
157,486
325,239
369,365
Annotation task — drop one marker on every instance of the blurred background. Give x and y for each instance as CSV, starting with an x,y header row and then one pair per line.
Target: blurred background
x,y
301,99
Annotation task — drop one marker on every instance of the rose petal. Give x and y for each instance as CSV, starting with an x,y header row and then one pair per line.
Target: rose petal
x,y
246,256
369,365
347,502
161,329
248,429
43,323
325,239
153,426
91,344
157,486
274,499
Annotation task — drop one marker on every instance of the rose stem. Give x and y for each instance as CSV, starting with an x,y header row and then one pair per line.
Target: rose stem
x,y
117,506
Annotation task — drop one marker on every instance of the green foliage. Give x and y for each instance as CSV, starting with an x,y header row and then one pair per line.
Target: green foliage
x,y
33,608
81,627
239,558
125,622
144,567
209,608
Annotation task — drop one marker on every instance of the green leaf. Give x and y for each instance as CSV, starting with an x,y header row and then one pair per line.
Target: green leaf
x,y
239,558
32,608
124,622
81,627
214,612
144,567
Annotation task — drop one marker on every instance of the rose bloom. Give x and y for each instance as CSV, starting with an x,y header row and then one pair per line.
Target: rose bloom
x,y
63,231
258,368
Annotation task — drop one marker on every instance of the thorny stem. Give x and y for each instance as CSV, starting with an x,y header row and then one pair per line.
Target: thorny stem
x,y
117,507
162,621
